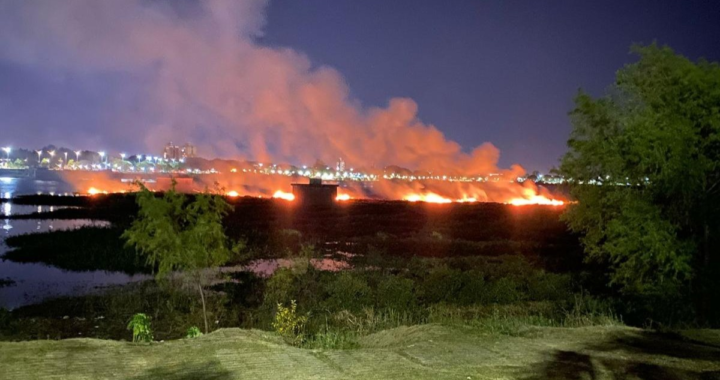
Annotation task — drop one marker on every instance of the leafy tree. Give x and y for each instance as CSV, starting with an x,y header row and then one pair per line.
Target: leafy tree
x,y
644,166
177,234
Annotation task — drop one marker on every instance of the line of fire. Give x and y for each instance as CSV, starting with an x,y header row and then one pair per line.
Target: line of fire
x,y
90,172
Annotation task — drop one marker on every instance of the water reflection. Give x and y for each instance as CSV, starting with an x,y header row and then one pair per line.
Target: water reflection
x,y
35,282
11,187
8,209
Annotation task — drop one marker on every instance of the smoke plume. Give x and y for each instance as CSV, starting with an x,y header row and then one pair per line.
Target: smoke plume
x,y
201,76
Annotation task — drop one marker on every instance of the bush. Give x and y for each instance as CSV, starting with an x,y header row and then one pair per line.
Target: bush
x,y
279,288
396,293
289,324
441,285
348,291
474,289
504,291
140,326
193,332
543,286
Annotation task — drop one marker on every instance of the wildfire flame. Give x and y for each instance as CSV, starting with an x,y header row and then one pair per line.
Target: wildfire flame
x,y
94,191
536,200
531,197
232,193
283,195
429,197
342,197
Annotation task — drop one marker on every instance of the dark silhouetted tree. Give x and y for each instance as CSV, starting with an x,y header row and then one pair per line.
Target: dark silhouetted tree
x,y
651,146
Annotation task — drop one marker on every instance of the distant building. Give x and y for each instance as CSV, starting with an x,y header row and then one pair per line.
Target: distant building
x,y
176,152
315,193
340,165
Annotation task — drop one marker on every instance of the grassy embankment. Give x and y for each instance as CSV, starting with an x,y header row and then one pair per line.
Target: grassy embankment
x,y
417,352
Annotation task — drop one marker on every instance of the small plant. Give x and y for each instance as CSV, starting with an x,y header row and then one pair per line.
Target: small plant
x,y
193,332
140,326
289,324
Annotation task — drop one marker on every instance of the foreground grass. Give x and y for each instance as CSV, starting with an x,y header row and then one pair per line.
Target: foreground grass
x,y
417,352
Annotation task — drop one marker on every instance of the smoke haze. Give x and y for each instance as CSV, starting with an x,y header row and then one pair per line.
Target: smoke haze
x,y
203,78
194,71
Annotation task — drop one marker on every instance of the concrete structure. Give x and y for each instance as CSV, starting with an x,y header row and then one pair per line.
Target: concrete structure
x,y
315,193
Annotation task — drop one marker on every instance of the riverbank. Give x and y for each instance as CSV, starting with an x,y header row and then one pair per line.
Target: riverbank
x,y
418,352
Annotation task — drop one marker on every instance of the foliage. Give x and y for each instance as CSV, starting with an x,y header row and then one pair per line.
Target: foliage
x,y
140,326
348,291
396,293
290,324
104,315
335,339
176,234
652,147
193,332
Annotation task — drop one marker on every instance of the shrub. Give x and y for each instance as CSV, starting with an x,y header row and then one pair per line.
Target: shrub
x,y
193,332
348,291
140,326
473,290
394,292
279,288
543,286
504,291
289,324
441,285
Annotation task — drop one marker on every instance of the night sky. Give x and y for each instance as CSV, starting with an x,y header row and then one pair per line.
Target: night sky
x,y
503,72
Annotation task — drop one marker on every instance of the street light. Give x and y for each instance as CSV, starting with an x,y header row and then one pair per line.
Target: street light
x,y
122,155
102,156
65,162
39,153
7,150
52,155
77,155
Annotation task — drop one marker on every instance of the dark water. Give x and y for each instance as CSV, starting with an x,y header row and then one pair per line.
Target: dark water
x,y
36,282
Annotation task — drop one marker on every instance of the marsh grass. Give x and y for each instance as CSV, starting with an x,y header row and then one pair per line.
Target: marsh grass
x,y
106,314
